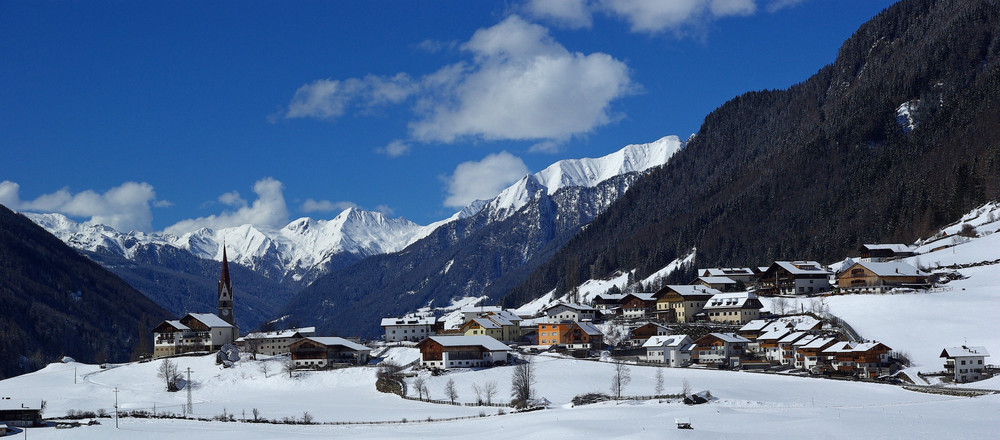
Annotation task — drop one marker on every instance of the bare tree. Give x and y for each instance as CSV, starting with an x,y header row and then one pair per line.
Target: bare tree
x,y
490,391
449,390
307,418
779,304
659,381
478,392
252,346
168,372
256,414
522,383
621,378
264,368
420,385
685,387
390,370
288,366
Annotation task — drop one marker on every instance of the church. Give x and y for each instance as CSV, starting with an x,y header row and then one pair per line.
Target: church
x,y
200,332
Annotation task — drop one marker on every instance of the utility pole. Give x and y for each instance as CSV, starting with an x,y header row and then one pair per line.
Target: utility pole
x,y
74,375
116,407
190,407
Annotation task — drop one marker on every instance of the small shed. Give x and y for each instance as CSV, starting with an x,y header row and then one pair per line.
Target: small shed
x,y
20,412
683,423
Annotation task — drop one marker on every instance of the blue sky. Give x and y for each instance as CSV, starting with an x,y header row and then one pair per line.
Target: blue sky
x,y
176,115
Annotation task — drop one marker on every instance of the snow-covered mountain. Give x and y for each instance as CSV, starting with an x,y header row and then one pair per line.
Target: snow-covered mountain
x,y
298,251
303,249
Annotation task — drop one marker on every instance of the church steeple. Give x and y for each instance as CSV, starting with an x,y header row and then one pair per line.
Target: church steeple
x,y
225,291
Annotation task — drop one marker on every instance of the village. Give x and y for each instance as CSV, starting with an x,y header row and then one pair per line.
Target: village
x,y
715,321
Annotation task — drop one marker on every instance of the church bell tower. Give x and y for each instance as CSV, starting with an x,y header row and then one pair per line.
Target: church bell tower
x,y
226,291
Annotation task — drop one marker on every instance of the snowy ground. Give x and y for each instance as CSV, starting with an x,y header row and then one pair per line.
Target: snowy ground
x,y
749,405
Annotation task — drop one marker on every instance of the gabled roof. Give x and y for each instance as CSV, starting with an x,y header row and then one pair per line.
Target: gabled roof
x,y
774,335
668,341
589,329
866,346
716,280
725,271
688,290
731,338
805,340
733,300
755,325
792,337
890,269
303,331
409,320
463,341
508,315
574,306
819,342
9,404
895,247
176,324
964,351
840,347
801,267
209,319
333,340
652,324
483,322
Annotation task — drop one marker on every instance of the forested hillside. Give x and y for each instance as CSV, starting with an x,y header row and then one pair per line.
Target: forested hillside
x,y
898,136
54,302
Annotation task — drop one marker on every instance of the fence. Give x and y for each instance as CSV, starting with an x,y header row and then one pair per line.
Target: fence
x,y
448,402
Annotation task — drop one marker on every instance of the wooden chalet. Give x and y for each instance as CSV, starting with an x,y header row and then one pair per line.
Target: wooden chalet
x,y
810,355
642,333
195,332
870,277
721,349
20,413
745,275
884,252
462,351
722,284
638,305
794,278
570,334
327,351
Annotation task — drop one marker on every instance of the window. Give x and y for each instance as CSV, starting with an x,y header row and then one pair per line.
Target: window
x,y
963,363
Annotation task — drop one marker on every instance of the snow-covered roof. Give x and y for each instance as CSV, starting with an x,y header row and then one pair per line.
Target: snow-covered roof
x,y
775,326
462,341
865,346
692,290
730,300
892,269
610,296
755,325
792,337
210,320
774,335
840,347
485,323
819,342
177,325
508,315
667,341
8,404
334,340
590,329
409,320
574,306
725,271
805,340
716,280
802,267
731,338
964,351
280,334
895,247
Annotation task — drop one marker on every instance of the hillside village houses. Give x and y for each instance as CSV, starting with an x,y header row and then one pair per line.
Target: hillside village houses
x,y
878,277
196,332
965,364
273,343
327,351
462,351
410,328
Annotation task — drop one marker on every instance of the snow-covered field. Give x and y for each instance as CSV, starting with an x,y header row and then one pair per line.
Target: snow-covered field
x,y
749,405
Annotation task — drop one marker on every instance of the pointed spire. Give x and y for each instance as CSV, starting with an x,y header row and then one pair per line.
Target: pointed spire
x,y
224,278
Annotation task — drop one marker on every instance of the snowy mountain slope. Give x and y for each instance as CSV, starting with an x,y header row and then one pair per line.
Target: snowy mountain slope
x,y
298,251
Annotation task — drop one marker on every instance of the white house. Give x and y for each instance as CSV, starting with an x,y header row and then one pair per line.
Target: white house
x,y
673,350
408,328
462,351
965,363
194,332
570,311
274,342
733,308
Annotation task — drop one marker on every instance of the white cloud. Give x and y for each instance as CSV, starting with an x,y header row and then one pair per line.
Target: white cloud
x,y
311,205
330,99
127,207
385,210
653,16
395,148
232,199
268,210
572,14
777,5
483,179
520,84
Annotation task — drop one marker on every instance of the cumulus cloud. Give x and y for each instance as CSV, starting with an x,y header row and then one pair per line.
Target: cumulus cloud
x,y
519,84
268,209
777,5
573,14
653,16
385,210
311,205
395,148
127,207
483,179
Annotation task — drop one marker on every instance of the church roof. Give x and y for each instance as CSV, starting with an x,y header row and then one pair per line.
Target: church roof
x,y
210,320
